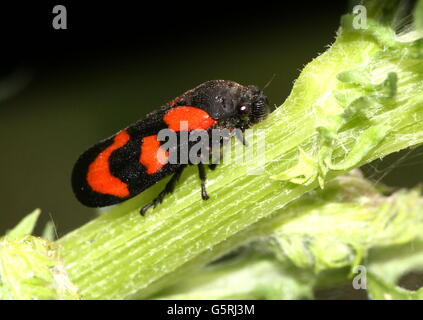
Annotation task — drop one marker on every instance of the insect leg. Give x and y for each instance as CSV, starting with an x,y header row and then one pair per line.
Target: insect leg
x,y
203,177
212,166
170,186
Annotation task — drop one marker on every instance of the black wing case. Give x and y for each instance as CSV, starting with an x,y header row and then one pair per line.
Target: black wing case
x,y
111,171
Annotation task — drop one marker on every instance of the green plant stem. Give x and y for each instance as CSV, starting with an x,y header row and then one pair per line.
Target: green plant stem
x,y
250,276
123,255
329,230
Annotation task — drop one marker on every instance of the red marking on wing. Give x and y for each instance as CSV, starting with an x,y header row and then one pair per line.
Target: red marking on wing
x,y
153,158
99,177
195,118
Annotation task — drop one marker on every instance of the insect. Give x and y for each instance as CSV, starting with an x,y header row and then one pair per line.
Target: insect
x,y
125,164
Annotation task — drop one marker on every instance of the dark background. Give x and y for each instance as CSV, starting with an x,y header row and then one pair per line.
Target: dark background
x,y
63,90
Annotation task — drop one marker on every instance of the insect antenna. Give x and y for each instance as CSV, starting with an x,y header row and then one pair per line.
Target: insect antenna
x,y
269,82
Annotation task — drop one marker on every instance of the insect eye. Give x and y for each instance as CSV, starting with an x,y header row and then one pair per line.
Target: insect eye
x,y
243,109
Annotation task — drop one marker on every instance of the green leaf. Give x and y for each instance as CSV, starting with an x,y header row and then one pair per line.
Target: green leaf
x,y
387,265
382,290
31,268
49,232
304,172
366,142
26,226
